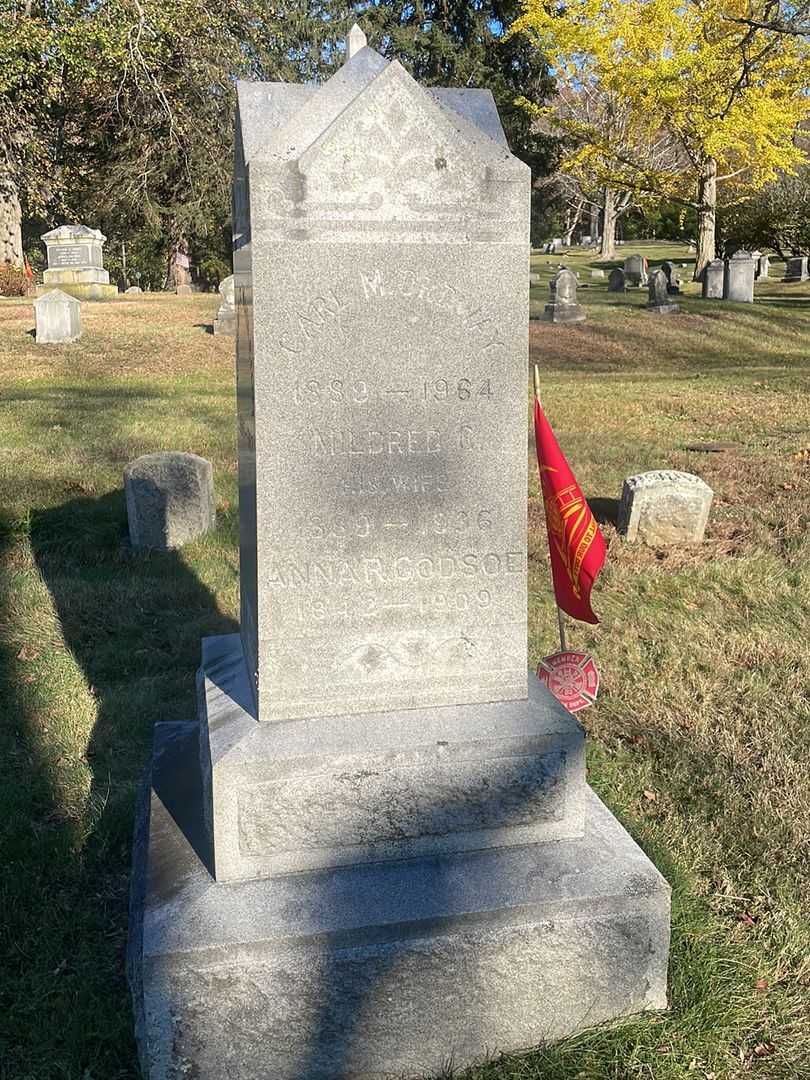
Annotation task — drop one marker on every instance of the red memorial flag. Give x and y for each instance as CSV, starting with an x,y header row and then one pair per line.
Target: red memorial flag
x,y
575,541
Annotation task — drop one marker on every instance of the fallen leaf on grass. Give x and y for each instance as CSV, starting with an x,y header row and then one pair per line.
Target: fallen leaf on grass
x,y
746,920
761,984
650,796
28,652
764,1049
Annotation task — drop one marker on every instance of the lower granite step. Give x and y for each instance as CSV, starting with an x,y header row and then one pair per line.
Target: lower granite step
x,y
381,970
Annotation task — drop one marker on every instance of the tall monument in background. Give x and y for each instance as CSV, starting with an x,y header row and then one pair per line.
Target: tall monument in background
x,y
375,850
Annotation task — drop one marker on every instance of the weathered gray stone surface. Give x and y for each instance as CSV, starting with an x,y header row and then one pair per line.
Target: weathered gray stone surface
x,y
225,322
763,266
597,275
58,318
713,278
382,970
635,270
184,290
134,289
355,41
563,306
617,281
659,302
664,507
673,278
392,859
76,263
738,282
170,499
381,361
796,269
327,791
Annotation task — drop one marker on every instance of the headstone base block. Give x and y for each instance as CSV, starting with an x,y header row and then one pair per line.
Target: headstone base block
x,y
94,290
388,969
563,313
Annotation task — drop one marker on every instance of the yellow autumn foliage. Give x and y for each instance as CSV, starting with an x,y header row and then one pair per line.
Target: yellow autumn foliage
x,y
722,90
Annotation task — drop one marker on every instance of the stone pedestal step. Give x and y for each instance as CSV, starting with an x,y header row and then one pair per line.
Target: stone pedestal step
x,y
385,969
303,794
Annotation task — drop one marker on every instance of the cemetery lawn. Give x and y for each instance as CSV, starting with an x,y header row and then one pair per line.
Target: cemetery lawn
x,y
699,742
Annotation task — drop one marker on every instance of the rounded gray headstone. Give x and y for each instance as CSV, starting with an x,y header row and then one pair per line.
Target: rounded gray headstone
x,y
170,499
664,507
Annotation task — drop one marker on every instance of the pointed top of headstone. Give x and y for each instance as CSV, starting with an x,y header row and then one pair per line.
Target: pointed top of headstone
x,y
56,296
74,232
355,41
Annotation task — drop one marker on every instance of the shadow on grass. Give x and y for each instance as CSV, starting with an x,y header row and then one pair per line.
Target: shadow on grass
x,y
606,511
206,327
133,625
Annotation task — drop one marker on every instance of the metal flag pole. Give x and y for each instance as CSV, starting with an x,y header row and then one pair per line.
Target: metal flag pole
x,y
560,617
561,624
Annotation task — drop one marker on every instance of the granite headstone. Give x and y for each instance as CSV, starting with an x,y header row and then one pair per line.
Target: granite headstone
x,y
796,269
617,281
673,278
738,281
58,318
562,306
170,499
225,322
408,866
659,302
664,507
76,264
712,280
635,270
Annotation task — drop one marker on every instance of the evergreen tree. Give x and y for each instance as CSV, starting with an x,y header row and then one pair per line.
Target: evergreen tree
x,y
464,44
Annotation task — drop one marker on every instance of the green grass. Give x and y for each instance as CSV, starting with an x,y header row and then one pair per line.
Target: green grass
x,y
699,742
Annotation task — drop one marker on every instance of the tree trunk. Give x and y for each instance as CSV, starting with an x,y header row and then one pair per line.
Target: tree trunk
x,y
10,224
607,249
594,222
571,223
707,215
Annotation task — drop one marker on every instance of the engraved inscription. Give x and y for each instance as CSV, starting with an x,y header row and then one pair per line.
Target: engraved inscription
x,y
411,443
313,319
482,321
391,552
69,255
457,523
320,392
287,573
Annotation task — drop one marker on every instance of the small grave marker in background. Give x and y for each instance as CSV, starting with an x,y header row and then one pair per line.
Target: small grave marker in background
x,y
664,507
58,318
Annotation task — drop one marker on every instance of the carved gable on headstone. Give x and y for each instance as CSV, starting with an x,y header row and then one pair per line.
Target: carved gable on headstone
x,y
373,149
